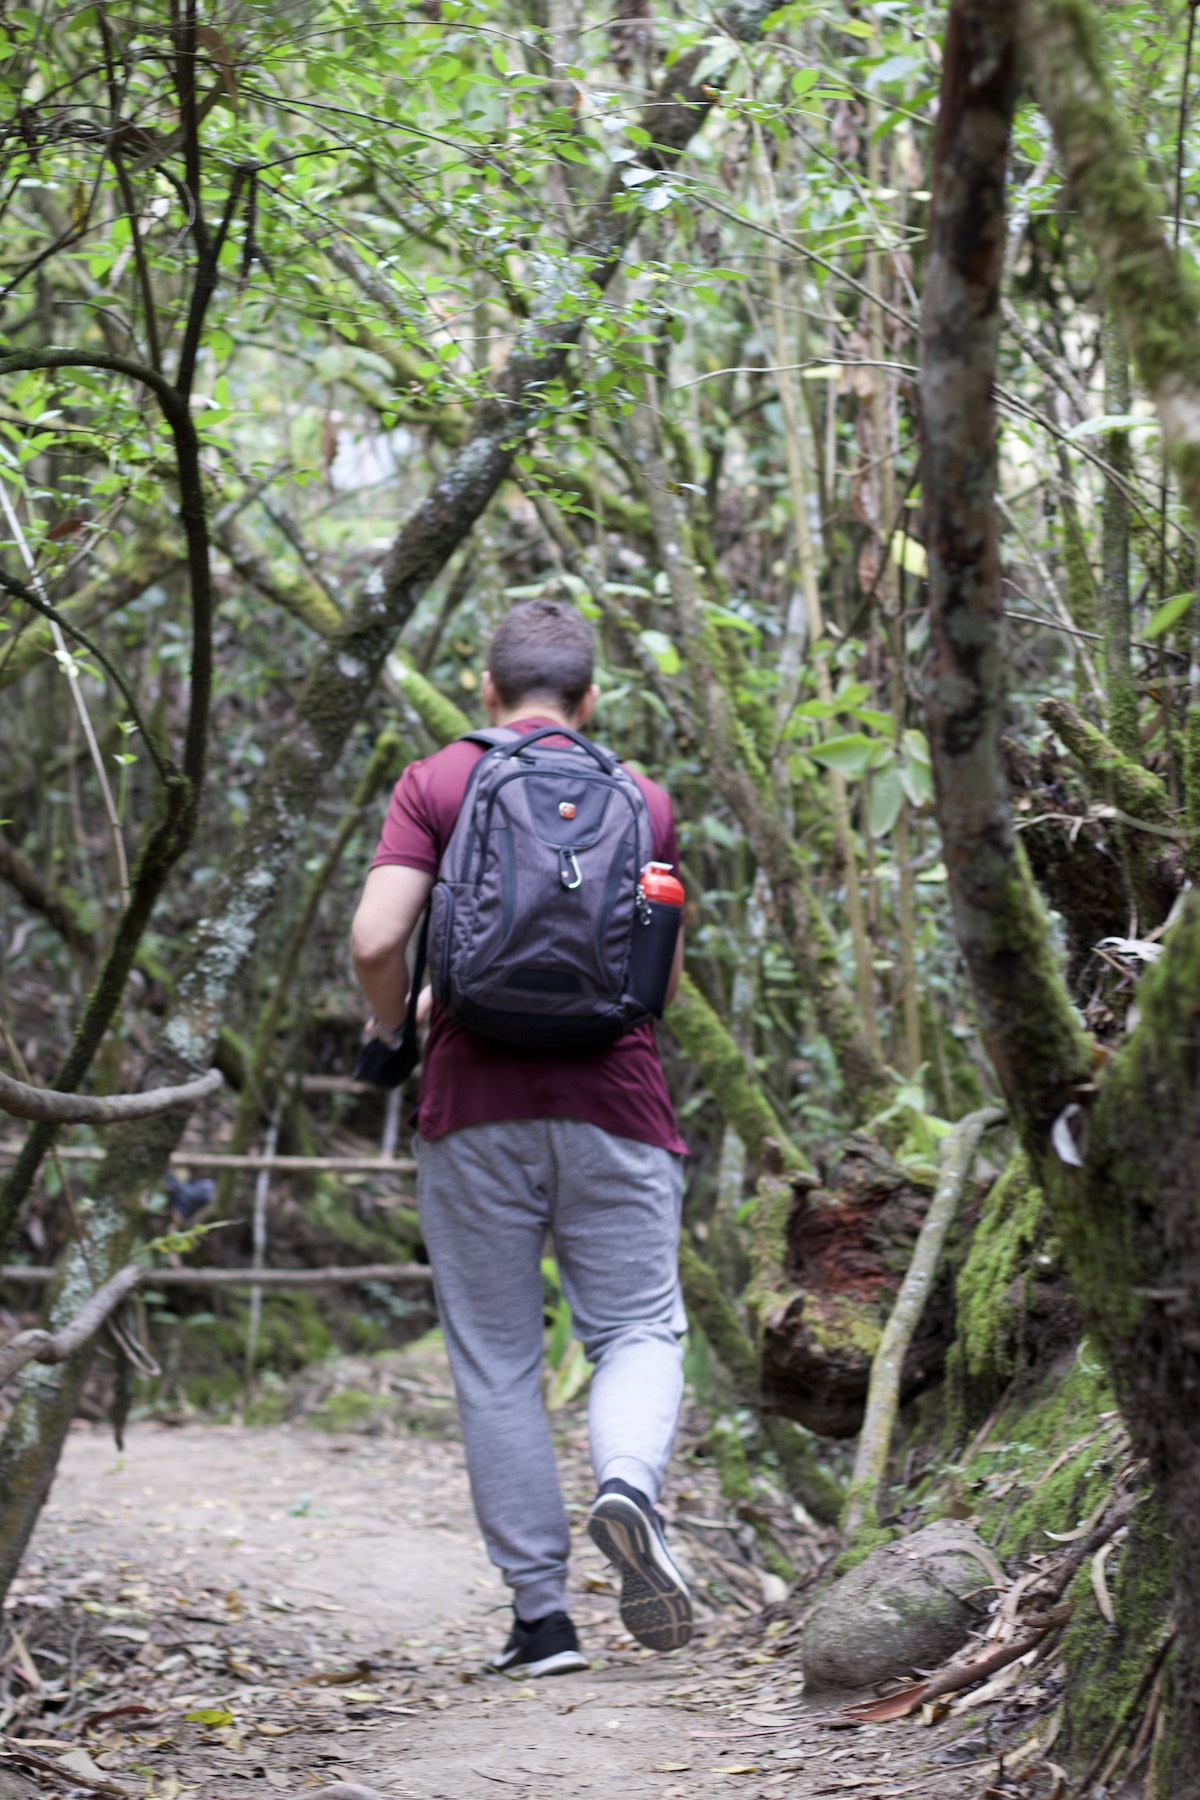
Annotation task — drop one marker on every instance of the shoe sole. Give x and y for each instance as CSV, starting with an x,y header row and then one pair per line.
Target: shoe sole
x,y
563,1662
655,1604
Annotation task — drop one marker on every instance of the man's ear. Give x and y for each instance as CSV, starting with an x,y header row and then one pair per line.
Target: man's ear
x,y
489,696
587,705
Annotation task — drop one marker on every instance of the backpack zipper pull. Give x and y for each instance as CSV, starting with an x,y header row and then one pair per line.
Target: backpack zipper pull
x,y
568,867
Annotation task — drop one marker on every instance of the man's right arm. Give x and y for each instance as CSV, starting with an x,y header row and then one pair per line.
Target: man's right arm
x,y
387,915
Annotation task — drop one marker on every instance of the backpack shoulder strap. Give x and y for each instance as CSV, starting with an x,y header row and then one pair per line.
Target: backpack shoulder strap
x,y
490,736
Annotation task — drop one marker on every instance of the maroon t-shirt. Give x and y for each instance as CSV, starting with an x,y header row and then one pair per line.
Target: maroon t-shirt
x,y
467,1079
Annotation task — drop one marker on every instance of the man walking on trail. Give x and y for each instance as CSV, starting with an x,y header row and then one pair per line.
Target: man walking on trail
x,y
515,1142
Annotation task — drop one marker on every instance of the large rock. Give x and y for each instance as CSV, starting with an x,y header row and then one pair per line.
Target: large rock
x,y
904,1608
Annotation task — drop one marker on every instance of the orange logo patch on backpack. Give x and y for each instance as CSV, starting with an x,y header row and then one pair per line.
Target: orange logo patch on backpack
x,y
566,809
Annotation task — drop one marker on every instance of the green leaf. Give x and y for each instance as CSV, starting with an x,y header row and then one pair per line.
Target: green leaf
x,y
662,650
329,364
816,709
209,1715
916,747
886,799
1170,613
909,554
1111,422
849,754
918,783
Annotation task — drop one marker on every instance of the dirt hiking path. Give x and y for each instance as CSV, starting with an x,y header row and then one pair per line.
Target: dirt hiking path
x,y
232,1612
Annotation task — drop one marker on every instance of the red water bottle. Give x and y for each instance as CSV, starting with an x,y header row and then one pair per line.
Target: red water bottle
x,y
657,920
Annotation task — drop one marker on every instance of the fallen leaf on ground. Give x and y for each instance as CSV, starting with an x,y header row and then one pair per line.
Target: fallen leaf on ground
x,y
892,1706
81,1763
1100,1585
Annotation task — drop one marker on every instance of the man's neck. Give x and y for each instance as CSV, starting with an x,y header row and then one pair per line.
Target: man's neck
x,y
533,709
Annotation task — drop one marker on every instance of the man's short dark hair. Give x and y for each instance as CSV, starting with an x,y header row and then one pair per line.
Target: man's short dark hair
x,y
544,648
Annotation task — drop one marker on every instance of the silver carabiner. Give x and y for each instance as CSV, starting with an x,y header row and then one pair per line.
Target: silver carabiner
x,y
567,860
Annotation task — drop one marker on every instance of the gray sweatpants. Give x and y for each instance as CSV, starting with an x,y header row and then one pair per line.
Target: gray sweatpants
x,y
487,1196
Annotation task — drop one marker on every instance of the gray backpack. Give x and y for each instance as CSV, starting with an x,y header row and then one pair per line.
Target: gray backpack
x,y
532,918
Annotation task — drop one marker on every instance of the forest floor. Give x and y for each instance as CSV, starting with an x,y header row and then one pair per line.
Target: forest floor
x,y
232,1611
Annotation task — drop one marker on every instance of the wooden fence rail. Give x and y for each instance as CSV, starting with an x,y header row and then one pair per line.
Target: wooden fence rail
x,y
37,1275
216,1159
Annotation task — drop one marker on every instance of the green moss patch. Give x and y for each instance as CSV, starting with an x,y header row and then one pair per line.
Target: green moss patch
x,y
1105,1663
988,1294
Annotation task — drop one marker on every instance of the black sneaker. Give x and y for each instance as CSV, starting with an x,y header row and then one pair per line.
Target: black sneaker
x,y
655,1604
546,1646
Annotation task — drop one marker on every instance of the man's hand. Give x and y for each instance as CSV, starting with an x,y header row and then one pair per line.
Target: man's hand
x,y
374,1032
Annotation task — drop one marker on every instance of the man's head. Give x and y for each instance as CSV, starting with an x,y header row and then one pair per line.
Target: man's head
x,y
541,661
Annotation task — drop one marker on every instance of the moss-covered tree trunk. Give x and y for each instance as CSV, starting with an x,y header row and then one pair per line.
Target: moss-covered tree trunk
x,y
1117,1152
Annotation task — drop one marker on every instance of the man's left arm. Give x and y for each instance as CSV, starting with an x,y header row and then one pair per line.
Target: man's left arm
x,y
392,902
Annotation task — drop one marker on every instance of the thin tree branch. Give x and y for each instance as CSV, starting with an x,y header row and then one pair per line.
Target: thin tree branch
x,y
24,1102
206,283
57,1347
883,1395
